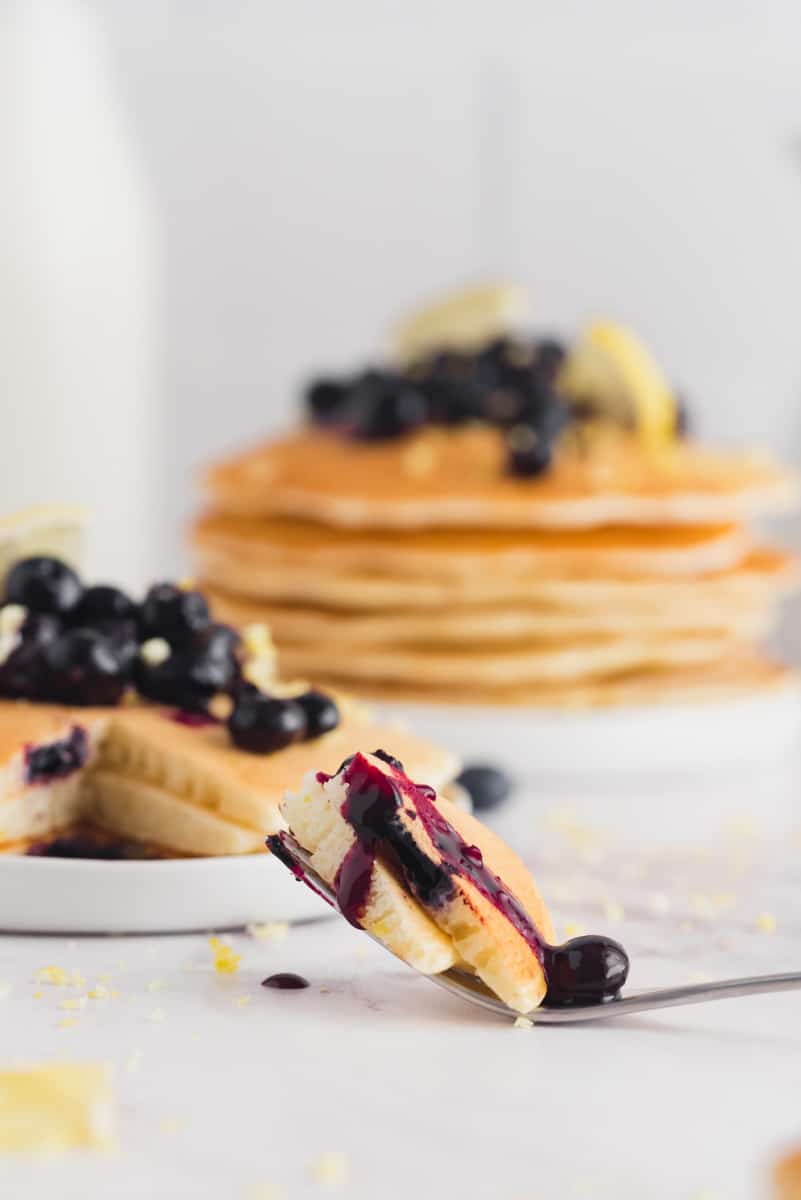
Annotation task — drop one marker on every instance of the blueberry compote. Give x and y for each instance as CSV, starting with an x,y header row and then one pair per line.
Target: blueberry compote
x,y
57,760
378,807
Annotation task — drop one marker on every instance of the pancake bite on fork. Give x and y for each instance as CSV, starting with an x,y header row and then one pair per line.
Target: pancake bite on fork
x,y
438,888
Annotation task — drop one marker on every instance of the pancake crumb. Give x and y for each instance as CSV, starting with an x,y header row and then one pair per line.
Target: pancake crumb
x,y
264,1191
67,1023
57,976
269,931
73,1003
157,1016
613,911
523,1023
766,922
331,1169
241,1001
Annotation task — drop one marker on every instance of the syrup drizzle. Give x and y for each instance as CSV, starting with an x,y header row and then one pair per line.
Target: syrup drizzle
x,y
195,720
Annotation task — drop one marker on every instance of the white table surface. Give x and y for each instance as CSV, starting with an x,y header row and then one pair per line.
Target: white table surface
x,y
424,1096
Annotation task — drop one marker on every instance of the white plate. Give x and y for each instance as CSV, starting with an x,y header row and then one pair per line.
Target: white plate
x,y
532,742
59,895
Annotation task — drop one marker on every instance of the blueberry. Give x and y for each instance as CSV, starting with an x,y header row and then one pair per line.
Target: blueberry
x,y
683,423
262,724
219,641
386,406
550,356
173,613
124,637
326,400
103,603
585,970
387,758
452,401
488,787
44,585
529,453
192,674
322,715
21,672
81,666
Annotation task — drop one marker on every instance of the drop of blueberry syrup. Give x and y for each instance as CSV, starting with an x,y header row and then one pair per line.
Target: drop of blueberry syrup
x,y
285,981
586,970
195,720
57,760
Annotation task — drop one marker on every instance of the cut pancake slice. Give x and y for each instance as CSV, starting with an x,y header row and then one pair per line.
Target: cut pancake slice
x,y
312,627
200,766
153,816
320,476
460,553
763,573
160,779
426,879
44,751
492,666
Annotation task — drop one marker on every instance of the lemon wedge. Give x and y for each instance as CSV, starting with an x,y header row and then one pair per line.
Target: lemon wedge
x,y
463,320
43,529
611,371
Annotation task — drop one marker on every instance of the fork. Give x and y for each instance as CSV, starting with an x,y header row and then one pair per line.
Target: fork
x,y
470,988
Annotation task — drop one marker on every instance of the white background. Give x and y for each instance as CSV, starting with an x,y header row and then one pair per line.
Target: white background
x,y
207,201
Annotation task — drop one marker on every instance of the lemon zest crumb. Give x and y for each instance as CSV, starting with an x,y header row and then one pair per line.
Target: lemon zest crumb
x,y
331,1169
226,960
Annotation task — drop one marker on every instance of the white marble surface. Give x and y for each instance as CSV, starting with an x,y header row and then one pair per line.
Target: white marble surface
x,y
424,1097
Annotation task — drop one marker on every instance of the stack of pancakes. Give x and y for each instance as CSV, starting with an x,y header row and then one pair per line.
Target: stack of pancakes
x,y
419,567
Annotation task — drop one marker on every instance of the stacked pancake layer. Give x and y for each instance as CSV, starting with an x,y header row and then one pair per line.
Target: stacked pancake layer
x,y
419,567
168,782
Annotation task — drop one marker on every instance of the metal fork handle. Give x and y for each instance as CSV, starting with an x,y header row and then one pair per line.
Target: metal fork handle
x,y
696,993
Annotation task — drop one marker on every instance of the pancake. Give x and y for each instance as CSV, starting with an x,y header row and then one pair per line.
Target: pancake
x,y
325,477
310,627
399,886
501,666
460,553
787,1177
747,674
159,781
765,572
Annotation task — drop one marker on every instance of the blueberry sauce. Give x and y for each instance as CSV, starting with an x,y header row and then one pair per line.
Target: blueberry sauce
x,y
372,808
586,970
58,759
91,844
285,981
195,720
275,844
